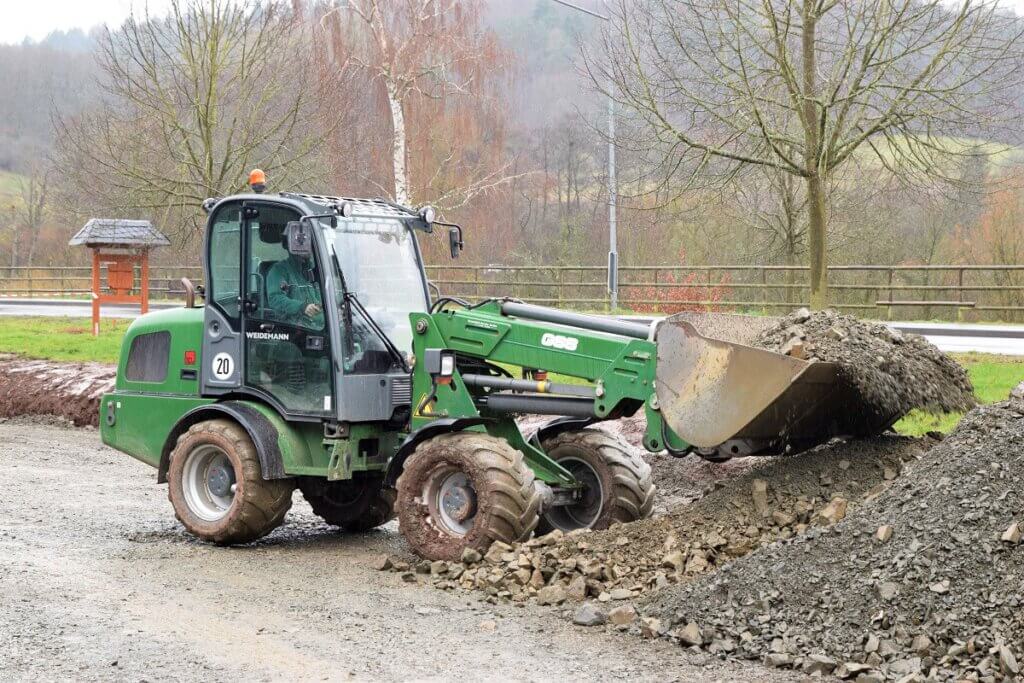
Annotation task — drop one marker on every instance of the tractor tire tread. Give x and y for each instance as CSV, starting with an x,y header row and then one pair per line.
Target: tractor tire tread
x,y
511,512
632,482
264,503
376,509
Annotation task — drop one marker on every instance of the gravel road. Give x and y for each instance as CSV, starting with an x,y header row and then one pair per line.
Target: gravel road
x,y
98,582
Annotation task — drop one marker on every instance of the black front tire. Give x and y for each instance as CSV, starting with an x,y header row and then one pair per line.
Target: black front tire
x,y
620,487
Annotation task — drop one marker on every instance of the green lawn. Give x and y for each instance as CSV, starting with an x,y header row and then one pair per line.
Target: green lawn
x,y
992,376
10,188
69,339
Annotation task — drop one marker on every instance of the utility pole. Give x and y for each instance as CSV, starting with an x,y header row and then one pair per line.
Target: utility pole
x,y
613,191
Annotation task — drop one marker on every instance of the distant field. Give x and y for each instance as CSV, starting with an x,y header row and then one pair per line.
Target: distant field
x,y
999,155
10,187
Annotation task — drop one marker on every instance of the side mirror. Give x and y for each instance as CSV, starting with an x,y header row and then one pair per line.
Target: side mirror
x,y
300,240
455,243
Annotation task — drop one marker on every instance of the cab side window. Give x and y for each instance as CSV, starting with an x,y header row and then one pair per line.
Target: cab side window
x,y
283,288
225,257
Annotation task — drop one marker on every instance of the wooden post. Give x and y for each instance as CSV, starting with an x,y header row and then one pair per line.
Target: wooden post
x,y
888,314
144,285
764,289
95,292
960,295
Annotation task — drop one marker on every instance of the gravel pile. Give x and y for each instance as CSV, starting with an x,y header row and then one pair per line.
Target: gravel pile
x,y
785,498
894,372
926,580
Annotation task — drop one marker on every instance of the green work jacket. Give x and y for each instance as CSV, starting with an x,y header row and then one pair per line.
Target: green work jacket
x,y
290,291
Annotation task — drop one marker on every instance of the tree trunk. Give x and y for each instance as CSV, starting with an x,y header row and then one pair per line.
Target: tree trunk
x,y
33,239
813,160
816,241
791,292
14,248
398,141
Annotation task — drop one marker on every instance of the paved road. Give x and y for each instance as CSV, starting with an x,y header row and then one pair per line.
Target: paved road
x,y
74,309
949,337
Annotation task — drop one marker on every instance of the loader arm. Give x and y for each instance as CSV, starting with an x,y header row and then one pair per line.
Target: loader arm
x,y
616,363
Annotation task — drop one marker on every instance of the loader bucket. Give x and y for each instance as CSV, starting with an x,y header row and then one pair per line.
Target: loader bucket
x,y
728,398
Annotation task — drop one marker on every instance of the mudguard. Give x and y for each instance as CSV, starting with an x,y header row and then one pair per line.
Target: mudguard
x,y
559,425
263,433
434,428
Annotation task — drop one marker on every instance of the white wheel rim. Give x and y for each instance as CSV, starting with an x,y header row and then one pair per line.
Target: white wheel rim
x,y
451,500
208,482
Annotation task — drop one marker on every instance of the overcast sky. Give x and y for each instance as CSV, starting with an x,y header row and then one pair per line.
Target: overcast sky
x,y
36,18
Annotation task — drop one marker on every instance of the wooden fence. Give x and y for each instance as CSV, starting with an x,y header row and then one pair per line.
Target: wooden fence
x,y
76,281
949,292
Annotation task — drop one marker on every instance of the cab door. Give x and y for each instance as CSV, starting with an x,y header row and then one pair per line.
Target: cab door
x,y
286,335
220,369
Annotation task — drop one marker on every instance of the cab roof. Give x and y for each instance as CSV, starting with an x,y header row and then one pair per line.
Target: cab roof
x,y
312,204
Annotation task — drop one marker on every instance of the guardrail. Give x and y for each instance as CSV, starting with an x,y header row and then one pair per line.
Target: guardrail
x,y
950,292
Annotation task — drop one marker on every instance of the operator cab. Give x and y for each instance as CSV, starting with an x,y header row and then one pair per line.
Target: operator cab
x,y
308,303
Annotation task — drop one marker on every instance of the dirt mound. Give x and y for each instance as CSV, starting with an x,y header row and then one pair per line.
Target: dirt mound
x,y
924,580
68,390
784,498
894,372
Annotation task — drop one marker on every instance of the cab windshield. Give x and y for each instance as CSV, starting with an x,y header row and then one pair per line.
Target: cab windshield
x,y
377,257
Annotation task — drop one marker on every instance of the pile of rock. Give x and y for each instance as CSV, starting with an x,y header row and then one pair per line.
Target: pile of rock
x,y
924,581
894,372
811,490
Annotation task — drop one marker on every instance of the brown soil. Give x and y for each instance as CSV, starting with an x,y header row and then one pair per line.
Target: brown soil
x,y
68,390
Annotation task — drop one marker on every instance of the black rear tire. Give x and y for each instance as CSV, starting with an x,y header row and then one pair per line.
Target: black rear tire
x,y
217,488
620,487
358,504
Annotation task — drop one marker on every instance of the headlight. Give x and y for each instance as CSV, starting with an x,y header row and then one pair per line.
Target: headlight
x,y
447,364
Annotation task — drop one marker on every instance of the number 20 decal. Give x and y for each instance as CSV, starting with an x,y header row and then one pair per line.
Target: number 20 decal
x,y
223,366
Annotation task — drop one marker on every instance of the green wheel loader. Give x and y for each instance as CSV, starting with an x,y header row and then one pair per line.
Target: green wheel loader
x,y
320,361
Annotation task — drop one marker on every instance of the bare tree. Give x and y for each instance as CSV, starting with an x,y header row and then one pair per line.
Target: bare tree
x,y
192,101
34,208
427,54
804,87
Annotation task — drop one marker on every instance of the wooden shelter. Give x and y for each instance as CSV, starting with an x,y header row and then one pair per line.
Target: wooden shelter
x,y
121,245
